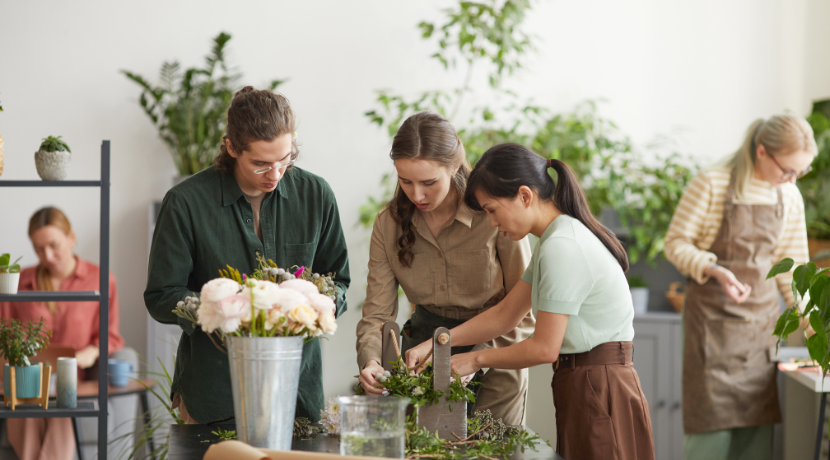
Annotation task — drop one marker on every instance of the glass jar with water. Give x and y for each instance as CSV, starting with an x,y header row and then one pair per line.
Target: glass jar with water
x,y
373,425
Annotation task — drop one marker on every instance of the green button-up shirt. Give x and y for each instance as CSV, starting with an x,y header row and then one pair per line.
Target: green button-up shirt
x,y
206,223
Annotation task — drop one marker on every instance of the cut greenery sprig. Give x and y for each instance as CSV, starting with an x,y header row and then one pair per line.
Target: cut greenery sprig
x,y
418,387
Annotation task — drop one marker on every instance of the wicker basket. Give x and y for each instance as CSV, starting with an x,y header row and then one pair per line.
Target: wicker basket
x,y
677,295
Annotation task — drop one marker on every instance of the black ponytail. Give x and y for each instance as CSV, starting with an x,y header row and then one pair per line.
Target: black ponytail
x,y
503,169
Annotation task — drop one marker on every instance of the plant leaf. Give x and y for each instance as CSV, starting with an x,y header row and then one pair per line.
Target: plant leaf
x,y
781,267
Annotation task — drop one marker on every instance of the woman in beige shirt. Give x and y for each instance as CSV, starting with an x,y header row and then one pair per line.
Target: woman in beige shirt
x,y
447,258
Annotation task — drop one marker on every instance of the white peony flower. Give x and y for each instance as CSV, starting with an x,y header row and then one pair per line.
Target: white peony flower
x,y
302,286
321,303
272,318
217,289
328,325
305,315
287,299
266,294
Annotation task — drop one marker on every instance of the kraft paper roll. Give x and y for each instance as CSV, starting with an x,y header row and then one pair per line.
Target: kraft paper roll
x,y
237,450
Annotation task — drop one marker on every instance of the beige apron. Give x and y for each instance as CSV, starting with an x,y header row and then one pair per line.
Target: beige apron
x,y
728,378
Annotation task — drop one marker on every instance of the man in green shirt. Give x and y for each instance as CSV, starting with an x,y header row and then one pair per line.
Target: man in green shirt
x,y
251,202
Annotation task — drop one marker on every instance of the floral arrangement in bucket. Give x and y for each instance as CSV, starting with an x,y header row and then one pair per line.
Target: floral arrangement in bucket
x,y
271,302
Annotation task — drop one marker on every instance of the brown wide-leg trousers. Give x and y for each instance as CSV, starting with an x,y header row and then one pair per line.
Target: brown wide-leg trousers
x,y
601,412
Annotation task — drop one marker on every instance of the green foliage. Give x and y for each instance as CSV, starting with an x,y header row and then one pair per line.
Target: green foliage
x,y
304,429
6,266
488,438
815,186
189,108
18,343
418,387
637,281
224,435
54,144
612,173
807,278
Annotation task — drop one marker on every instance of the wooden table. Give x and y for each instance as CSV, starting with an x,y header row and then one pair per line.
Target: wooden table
x,y
187,442
88,390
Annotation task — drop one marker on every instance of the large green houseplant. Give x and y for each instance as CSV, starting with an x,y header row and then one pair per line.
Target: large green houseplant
x,y
815,186
487,35
18,343
189,108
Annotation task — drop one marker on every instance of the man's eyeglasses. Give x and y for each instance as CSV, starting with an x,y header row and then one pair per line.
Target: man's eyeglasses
x,y
788,173
280,166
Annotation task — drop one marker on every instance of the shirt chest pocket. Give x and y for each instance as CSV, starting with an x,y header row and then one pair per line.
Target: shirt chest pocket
x,y
470,272
417,280
301,255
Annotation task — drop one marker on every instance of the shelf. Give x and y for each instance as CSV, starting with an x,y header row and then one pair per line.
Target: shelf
x,y
50,183
84,409
52,296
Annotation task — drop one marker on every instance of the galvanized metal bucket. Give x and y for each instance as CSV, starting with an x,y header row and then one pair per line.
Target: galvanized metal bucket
x,y
265,376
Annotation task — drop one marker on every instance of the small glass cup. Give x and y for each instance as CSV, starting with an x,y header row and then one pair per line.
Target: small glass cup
x,y
373,426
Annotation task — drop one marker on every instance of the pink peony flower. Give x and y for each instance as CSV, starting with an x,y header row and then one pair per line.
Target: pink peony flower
x,y
321,303
287,299
302,286
217,289
232,310
208,317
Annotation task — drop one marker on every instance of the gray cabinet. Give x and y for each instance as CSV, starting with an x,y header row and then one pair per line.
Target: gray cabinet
x,y
658,360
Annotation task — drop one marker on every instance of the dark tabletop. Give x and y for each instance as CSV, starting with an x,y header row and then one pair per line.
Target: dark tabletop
x,y
190,442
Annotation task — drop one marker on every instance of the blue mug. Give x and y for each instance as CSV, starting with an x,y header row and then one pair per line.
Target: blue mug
x,y
119,372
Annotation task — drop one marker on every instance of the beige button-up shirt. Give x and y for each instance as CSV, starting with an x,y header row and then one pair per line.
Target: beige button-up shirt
x,y
467,268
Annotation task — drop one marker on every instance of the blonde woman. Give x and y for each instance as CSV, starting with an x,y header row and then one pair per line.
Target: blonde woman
x,y
732,224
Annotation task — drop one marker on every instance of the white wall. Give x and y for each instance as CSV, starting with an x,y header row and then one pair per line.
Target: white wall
x,y
702,69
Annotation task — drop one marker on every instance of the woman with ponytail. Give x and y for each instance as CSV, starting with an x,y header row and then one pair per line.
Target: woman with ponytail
x,y
73,324
732,224
447,259
576,280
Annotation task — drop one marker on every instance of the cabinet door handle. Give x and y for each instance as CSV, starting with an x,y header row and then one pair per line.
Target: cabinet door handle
x,y
675,406
661,404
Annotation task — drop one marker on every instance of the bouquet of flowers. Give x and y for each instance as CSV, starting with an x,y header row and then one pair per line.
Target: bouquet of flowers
x,y
271,302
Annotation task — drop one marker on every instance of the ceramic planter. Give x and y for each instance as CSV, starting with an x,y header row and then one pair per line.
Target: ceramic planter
x,y
9,282
28,381
52,165
639,297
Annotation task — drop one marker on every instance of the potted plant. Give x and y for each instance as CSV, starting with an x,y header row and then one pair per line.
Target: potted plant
x,y
190,108
9,274
815,187
52,158
17,345
639,293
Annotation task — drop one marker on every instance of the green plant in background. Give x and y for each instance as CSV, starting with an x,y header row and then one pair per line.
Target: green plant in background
x,y
7,266
18,343
636,281
54,144
807,278
488,35
189,108
815,186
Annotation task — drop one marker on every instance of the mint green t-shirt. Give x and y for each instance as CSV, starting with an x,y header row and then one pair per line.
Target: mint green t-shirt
x,y
574,274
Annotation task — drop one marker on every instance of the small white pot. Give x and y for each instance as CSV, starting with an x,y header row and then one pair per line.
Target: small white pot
x,y
52,165
9,282
639,297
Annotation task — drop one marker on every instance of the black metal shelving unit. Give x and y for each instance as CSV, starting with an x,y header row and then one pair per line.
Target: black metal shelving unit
x,y
84,409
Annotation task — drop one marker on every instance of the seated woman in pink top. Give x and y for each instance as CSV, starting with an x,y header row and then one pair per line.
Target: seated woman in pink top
x,y
72,324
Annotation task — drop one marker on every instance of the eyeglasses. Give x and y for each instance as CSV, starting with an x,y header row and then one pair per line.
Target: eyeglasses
x,y
788,173
279,166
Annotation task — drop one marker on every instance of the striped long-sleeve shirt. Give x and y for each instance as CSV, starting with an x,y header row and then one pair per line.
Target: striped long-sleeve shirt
x,y
697,219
